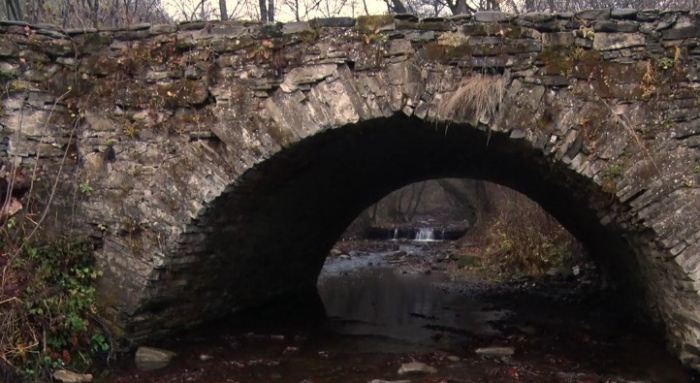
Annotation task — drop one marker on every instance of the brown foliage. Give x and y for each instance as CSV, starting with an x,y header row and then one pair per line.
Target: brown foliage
x,y
520,236
476,99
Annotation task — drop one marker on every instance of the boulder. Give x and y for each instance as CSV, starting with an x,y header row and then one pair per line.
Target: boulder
x,y
150,358
66,376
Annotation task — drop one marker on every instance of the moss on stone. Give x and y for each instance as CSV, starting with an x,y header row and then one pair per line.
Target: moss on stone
x,y
310,36
99,65
513,32
70,84
556,60
15,86
406,24
433,26
91,42
231,45
271,30
483,29
440,52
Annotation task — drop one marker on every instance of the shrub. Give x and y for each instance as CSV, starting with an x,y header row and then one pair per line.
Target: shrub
x,y
521,237
47,304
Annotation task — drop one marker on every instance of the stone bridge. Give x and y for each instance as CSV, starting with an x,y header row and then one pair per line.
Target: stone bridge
x,y
219,162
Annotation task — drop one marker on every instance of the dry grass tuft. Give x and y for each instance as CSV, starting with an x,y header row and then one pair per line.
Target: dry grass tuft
x,y
520,237
476,100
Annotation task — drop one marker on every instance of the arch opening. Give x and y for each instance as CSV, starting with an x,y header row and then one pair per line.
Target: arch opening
x,y
266,238
269,235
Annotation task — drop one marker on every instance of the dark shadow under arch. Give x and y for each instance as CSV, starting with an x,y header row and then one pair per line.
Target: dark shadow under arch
x,y
270,235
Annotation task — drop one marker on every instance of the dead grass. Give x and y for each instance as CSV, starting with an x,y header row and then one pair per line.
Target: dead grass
x,y
520,237
476,99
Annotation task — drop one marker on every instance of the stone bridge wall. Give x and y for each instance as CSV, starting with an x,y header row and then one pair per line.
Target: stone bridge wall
x,y
208,156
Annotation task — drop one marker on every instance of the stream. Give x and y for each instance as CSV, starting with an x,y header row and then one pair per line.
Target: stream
x,y
387,308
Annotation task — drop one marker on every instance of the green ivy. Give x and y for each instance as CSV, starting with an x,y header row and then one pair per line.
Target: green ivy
x,y
56,301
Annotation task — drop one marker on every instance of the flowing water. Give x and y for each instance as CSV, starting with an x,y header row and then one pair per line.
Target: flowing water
x,y
382,313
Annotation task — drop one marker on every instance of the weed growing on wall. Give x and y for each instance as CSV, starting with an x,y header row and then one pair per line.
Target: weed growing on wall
x,y
47,306
476,99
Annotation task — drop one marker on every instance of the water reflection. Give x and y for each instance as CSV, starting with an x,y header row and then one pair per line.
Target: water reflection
x,y
401,308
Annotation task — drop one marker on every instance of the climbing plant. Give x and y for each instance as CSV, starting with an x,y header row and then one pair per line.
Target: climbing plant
x,y
47,304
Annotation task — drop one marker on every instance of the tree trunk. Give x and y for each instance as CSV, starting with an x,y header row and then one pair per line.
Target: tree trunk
x,y
95,10
271,10
222,10
417,201
396,6
529,6
263,10
14,9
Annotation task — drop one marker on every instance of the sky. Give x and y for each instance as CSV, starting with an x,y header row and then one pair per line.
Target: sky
x,y
244,9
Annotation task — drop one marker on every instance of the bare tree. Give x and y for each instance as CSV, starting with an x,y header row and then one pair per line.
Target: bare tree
x,y
188,10
222,10
94,13
455,7
14,9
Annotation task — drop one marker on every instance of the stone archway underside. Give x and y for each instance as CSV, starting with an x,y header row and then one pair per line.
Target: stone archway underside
x,y
225,159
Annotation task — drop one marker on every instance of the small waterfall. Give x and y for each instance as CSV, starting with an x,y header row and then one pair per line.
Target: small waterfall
x,y
396,234
425,234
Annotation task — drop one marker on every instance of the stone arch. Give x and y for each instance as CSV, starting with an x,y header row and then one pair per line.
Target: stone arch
x,y
279,179
187,132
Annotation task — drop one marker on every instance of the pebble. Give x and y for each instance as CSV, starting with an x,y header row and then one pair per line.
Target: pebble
x,y
496,351
416,368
